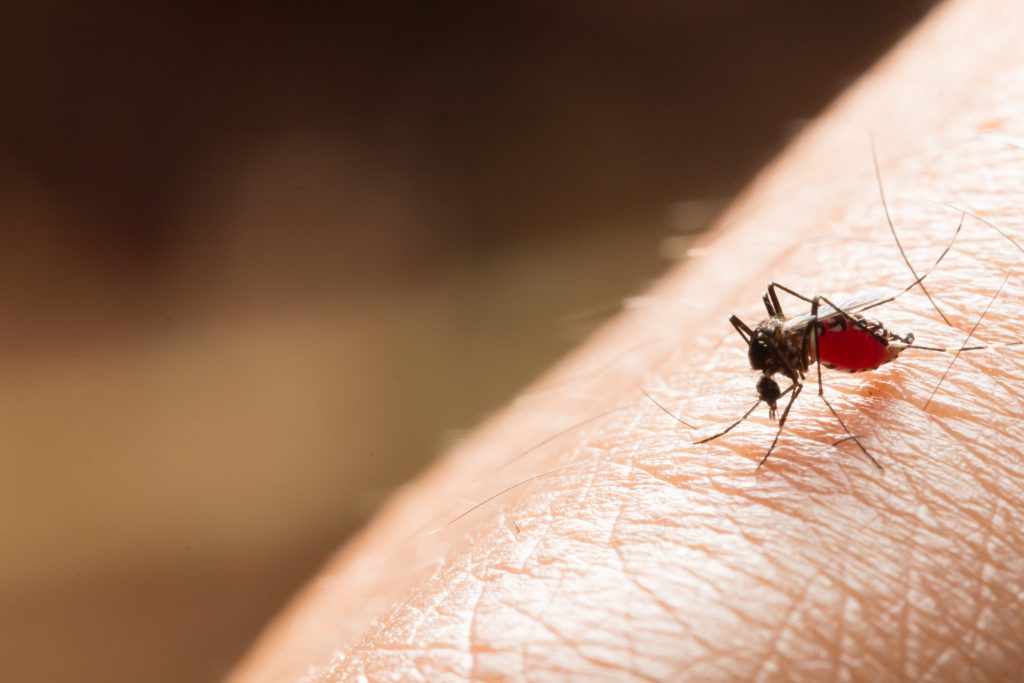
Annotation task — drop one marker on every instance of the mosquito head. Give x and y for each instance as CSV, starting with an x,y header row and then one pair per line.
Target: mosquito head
x,y
768,391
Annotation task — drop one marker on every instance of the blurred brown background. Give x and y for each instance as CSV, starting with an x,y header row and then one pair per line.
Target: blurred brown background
x,y
257,264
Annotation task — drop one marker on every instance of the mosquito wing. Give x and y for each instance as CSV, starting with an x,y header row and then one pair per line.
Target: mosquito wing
x,y
854,304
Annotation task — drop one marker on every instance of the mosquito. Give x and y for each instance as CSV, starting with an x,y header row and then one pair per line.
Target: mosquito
x,y
838,336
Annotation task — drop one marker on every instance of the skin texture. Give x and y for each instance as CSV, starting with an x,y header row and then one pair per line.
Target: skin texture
x,y
646,557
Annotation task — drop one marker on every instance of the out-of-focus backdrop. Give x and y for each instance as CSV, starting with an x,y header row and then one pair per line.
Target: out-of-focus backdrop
x,y
257,264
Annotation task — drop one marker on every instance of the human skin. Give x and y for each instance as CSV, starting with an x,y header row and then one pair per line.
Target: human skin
x,y
646,557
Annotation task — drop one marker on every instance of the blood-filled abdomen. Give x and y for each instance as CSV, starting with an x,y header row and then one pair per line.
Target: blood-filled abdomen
x,y
845,346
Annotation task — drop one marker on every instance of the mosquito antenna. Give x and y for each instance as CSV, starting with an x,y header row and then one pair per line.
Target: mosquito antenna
x,y
667,411
964,346
899,245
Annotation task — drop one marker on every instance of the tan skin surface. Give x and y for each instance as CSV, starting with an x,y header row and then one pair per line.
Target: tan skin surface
x,y
655,559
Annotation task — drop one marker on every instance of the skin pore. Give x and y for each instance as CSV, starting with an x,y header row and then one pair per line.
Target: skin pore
x,y
645,557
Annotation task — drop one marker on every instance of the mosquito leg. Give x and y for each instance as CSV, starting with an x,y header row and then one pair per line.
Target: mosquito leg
x,y
731,427
850,435
742,328
975,347
737,423
963,347
850,317
775,302
805,347
815,302
772,286
976,217
892,229
771,303
821,386
918,281
782,422
812,333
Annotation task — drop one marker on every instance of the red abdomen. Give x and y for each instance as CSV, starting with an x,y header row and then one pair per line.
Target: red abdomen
x,y
849,347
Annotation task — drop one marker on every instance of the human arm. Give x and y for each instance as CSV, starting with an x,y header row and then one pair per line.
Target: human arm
x,y
656,559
